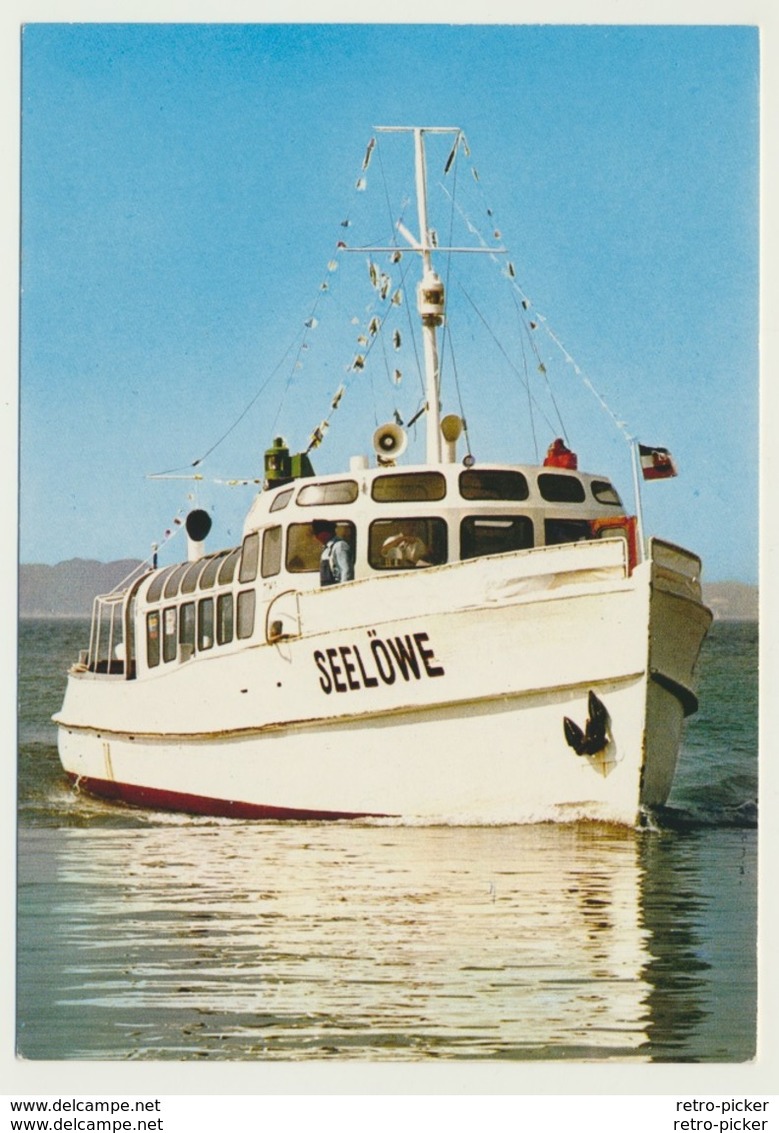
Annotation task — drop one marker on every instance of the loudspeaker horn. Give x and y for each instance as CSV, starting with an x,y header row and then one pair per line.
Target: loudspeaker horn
x,y
389,441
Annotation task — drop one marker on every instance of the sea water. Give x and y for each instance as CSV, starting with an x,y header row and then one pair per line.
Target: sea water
x,y
144,935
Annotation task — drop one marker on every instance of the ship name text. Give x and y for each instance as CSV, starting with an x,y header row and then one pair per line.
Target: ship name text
x,y
348,668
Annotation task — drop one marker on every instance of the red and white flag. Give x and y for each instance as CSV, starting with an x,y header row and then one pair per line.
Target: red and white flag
x,y
656,463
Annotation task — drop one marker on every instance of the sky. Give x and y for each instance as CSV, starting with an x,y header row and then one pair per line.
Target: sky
x,y
183,189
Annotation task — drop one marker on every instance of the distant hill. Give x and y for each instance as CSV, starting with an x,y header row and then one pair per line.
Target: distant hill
x,y
68,589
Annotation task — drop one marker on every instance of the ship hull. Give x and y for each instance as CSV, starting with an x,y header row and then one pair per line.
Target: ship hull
x,y
417,708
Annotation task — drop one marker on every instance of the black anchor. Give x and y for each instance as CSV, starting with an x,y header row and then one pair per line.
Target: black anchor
x,y
595,735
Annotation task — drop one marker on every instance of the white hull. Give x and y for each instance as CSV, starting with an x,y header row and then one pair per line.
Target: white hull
x,y
424,709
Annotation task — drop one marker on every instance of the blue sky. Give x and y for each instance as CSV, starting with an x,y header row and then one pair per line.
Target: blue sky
x,y
182,192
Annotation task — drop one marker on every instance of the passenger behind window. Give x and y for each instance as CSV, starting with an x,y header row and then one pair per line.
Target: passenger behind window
x,y
405,550
336,563
407,542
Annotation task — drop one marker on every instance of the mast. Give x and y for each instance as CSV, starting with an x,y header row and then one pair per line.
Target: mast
x,y
430,290
430,303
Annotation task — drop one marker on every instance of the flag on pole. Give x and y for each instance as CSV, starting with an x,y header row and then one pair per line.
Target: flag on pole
x,y
656,463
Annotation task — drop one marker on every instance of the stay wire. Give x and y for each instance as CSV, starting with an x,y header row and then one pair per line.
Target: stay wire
x,y
502,350
236,422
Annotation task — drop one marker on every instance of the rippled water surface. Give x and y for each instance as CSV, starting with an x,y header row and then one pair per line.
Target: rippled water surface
x,y
152,936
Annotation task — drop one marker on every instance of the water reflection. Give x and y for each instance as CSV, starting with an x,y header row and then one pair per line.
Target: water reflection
x,y
235,941
699,903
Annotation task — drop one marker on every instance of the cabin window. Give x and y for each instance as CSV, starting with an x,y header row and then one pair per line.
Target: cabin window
x,y
172,583
494,535
208,577
406,486
227,569
337,492
400,544
246,603
605,493
154,593
186,630
493,484
282,499
224,618
566,531
153,638
304,551
271,552
249,558
560,489
189,581
205,623
169,636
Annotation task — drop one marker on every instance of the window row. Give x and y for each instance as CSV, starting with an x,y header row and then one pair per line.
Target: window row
x,y
177,632
400,543
186,578
393,544
474,483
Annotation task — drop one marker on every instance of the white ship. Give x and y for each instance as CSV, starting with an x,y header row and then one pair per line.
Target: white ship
x,y
510,648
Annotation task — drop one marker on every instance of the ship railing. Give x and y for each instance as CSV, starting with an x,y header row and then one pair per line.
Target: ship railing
x,y
106,640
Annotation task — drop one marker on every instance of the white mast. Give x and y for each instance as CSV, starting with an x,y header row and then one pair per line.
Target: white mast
x,y
430,290
430,301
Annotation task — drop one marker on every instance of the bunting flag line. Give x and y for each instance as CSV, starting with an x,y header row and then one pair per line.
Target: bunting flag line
x,y
656,463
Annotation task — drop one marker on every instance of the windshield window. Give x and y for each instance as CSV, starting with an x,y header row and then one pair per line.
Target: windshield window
x,y
408,486
282,499
338,492
566,531
493,484
604,492
402,544
494,535
560,489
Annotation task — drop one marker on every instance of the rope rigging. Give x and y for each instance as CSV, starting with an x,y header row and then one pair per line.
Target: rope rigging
x,y
379,323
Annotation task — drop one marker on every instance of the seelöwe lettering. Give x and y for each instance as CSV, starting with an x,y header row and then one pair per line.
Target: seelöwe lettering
x,y
350,668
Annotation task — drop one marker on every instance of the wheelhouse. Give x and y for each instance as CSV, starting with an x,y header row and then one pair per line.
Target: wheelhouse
x,y
394,519
407,518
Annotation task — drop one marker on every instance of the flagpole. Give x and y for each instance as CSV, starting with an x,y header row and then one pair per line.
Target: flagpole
x,y
637,492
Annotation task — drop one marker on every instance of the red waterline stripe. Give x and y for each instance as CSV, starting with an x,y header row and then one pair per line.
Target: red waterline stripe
x,y
154,799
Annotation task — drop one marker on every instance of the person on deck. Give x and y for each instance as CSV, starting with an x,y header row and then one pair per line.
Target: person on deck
x,y
335,563
558,455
